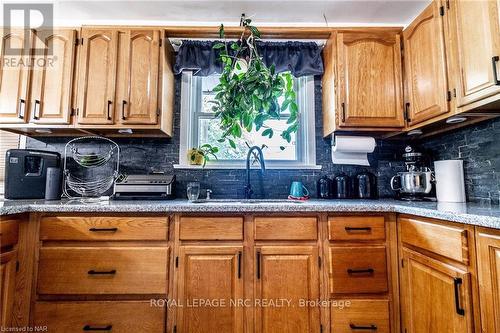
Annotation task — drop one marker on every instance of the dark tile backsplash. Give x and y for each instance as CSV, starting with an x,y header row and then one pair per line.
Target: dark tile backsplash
x,y
474,144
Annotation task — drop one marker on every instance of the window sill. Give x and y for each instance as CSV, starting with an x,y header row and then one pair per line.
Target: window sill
x,y
242,166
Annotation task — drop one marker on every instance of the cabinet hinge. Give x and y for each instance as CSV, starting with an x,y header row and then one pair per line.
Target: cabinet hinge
x,y
454,92
17,266
175,328
79,41
402,263
72,112
176,261
447,4
321,328
448,95
161,41
77,111
441,10
319,262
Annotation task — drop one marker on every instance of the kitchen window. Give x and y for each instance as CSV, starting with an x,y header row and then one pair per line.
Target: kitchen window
x,y
199,126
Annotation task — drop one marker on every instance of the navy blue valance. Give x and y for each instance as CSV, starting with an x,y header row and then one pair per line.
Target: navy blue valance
x,y
300,58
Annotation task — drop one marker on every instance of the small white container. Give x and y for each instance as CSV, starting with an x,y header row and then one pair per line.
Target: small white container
x,y
450,185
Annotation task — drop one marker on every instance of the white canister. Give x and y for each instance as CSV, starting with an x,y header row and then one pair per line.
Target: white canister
x,y
450,185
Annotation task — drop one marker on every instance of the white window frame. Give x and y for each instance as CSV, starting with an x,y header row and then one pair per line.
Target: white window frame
x,y
306,137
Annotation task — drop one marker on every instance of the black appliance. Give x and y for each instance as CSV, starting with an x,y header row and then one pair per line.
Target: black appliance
x,y
53,184
365,186
324,187
342,186
26,172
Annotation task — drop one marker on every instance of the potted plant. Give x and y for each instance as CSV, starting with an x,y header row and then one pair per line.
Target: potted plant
x,y
202,154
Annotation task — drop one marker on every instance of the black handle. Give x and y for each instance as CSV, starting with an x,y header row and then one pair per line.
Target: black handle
x,y
239,265
103,229
343,112
36,109
97,328
123,109
407,112
494,61
456,283
94,272
366,328
351,271
109,110
367,229
20,112
258,264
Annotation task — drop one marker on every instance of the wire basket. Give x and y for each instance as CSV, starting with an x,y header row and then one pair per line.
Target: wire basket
x,y
91,166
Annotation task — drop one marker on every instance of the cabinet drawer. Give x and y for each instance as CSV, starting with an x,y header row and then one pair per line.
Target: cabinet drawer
x,y
362,316
286,228
356,228
106,228
358,270
211,228
9,230
116,317
100,270
443,239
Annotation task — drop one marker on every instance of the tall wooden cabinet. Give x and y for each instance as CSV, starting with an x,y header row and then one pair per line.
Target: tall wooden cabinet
x,y
8,267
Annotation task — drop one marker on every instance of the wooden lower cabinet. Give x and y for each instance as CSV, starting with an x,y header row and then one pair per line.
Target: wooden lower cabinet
x,y
360,316
488,254
210,273
112,316
436,296
286,273
7,286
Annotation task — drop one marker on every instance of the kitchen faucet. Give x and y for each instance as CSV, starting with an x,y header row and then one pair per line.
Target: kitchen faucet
x,y
260,158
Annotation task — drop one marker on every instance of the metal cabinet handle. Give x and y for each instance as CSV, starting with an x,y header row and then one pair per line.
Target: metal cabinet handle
x,y
103,229
407,113
351,271
367,229
258,264
457,282
36,110
343,112
97,328
20,112
94,272
109,110
494,61
123,110
239,264
367,328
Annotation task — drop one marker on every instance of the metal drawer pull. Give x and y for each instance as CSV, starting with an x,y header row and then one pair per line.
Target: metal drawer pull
x,y
22,104
494,61
258,264
239,264
109,110
94,272
97,328
366,328
456,283
103,229
360,271
36,109
123,110
367,229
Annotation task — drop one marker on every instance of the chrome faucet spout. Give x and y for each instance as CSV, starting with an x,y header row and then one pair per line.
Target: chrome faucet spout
x,y
248,186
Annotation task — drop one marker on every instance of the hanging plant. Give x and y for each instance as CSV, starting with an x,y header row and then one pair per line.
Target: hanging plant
x,y
248,92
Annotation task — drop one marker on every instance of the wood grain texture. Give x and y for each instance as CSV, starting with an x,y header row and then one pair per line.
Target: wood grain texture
x,y
9,232
329,79
167,90
345,262
122,316
356,228
211,228
105,228
7,287
285,228
447,240
488,258
361,313
138,270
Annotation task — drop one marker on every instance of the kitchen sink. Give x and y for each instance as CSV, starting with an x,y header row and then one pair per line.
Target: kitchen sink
x,y
244,201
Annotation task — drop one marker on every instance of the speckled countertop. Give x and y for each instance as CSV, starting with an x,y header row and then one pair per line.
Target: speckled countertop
x,y
470,213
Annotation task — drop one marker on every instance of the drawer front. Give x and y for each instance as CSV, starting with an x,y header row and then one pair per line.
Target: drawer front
x,y
9,230
101,270
358,270
105,228
356,228
361,316
286,228
211,228
445,240
116,317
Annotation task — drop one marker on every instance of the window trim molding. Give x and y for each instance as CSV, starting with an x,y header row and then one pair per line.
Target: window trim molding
x,y
306,133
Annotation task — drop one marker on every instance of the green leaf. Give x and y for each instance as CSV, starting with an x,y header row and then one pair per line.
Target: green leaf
x,y
268,132
282,148
218,46
231,143
221,31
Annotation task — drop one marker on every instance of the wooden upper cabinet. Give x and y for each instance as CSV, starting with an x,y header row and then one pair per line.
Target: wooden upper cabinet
x,y
488,251
370,79
138,76
14,75
97,76
426,79
475,32
52,76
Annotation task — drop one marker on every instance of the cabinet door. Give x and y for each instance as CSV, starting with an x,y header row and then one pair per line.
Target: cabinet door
x,y
138,73
97,74
488,250
425,67
211,273
435,296
7,282
370,79
14,71
476,36
286,273
52,77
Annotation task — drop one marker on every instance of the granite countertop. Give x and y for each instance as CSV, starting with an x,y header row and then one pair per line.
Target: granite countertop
x,y
469,213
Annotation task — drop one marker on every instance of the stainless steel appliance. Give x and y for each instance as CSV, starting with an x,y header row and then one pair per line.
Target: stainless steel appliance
x,y
145,187
26,172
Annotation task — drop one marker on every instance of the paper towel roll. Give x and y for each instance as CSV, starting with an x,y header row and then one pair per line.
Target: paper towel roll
x,y
450,186
352,149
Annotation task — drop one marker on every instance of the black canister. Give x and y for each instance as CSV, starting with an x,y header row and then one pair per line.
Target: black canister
x,y
324,186
342,185
365,186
